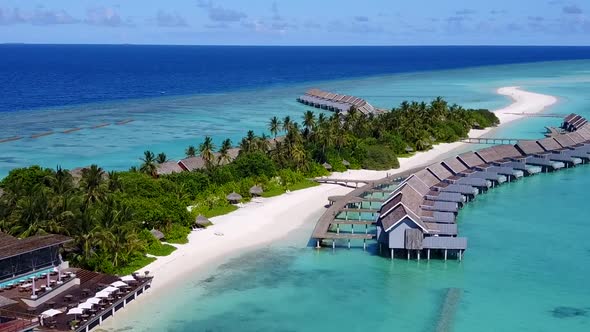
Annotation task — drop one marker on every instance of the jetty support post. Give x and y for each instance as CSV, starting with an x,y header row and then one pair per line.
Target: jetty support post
x,y
392,253
364,244
348,243
446,254
428,254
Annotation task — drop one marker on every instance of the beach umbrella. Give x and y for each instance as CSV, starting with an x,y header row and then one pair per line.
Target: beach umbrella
x,y
327,166
127,278
256,191
75,311
102,295
202,221
50,313
93,300
85,305
118,284
234,197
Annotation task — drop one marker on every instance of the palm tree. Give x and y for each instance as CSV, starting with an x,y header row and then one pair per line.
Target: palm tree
x,y
224,156
274,126
92,184
308,122
206,150
287,123
162,158
190,151
115,182
148,165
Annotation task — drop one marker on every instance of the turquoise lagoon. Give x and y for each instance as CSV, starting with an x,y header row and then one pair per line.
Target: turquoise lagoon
x,y
170,124
526,268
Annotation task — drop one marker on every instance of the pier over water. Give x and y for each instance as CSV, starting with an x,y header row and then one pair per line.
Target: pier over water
x,y
418,208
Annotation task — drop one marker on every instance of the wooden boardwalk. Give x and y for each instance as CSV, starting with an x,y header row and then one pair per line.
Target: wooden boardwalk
x,y
322,229
492,140
539,115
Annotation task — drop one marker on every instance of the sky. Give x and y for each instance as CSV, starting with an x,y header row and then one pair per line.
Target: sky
x,y
297,22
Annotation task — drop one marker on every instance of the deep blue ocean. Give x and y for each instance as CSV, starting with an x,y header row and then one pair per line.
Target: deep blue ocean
x,y
41,76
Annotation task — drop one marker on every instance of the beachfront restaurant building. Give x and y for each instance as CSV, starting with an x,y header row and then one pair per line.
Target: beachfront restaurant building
x,y
21,257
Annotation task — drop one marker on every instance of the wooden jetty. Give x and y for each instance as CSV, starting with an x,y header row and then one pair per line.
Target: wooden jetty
x,y
47,133
10,139
343,182
538,115
336,102
490,140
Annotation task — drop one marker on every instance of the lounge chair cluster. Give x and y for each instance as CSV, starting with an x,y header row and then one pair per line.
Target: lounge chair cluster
x,y
419,216
336,102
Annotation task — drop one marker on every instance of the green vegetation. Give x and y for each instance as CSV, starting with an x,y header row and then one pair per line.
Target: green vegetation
x,y
109,215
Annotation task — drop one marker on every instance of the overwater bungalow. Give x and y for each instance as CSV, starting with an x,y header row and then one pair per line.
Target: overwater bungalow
x,y
573,122
401,227
455,172
476,168
530,154
507,153
336,102
552,150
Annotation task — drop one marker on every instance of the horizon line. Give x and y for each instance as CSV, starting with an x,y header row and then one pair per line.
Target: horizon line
x,y
298,45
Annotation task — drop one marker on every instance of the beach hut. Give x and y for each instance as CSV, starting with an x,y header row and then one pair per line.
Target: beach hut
x,y
234,198
256,191
202,222
345,163
157,234
327,166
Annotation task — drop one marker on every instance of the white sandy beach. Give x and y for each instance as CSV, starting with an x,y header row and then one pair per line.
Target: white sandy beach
x,y
272,218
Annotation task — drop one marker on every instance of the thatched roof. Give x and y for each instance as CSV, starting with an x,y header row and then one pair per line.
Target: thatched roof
x,y
202,221
345,162
168,167
256,190
234,197
157,234
327,166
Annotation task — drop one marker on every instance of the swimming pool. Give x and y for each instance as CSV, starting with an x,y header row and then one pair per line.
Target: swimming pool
x,y
26,277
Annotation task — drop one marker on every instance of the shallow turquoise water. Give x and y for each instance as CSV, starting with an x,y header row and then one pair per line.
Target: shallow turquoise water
x,y
523,263
170,124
